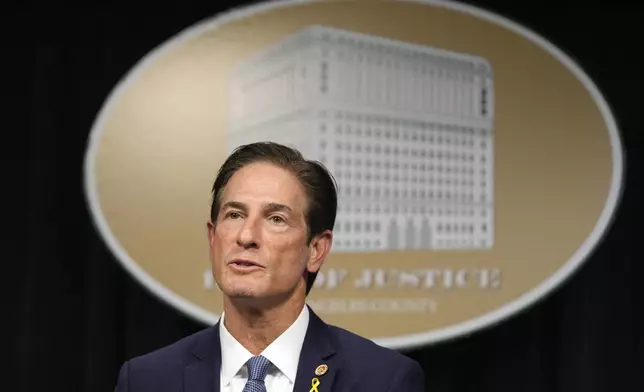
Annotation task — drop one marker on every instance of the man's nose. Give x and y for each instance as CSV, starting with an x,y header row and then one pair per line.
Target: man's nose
x,y
248,236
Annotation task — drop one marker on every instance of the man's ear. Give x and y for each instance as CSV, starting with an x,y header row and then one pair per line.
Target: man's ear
x,y
211,232
320,248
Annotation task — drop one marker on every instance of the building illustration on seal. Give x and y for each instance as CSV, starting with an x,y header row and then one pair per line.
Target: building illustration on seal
x,y
407,131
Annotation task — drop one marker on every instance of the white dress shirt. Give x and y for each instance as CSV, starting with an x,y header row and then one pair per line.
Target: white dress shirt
x,y
284,354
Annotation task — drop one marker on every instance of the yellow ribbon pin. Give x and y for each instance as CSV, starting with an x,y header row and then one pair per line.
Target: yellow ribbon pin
x,y
314,384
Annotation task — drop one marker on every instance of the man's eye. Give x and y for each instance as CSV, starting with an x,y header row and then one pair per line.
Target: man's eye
x,y
233,215
277,219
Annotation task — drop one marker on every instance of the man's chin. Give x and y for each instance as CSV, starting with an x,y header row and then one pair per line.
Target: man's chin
x,y
241,287
242,292
253,297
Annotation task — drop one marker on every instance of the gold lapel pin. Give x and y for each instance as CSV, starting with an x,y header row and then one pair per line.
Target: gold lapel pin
x,y
320,370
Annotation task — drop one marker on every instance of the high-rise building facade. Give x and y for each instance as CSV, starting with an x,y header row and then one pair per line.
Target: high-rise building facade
x,y
407,130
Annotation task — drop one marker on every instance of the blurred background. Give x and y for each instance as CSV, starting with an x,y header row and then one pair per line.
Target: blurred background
x,y
75,314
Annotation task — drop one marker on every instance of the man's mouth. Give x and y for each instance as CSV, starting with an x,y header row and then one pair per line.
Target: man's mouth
x,y
245,263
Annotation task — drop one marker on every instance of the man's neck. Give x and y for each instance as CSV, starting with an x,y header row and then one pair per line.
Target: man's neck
x,y
256,327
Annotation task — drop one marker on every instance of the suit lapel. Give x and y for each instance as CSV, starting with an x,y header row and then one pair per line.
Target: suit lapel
x,y
317,350
202,375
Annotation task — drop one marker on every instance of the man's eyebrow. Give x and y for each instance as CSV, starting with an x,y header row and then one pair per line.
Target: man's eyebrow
x,y
271,207
233,204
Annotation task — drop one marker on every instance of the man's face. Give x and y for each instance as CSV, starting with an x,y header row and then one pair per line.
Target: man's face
x,y
258,245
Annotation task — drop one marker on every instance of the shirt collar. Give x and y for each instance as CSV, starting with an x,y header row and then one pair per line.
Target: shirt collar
x,y
283,352
233,354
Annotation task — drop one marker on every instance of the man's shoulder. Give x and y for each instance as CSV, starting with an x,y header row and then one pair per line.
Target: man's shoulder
x,y
354,345
385,368
162,369
177,353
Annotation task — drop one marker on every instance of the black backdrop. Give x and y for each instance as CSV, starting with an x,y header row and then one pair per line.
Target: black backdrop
x,y
75,315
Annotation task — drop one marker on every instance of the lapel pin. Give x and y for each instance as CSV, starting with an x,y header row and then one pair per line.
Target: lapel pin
x,y
314,384
320,370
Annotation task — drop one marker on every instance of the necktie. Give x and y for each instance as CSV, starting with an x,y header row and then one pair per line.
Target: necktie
x,y
257,369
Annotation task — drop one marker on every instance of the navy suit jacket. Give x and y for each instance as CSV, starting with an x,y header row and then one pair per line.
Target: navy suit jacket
x,y
355,364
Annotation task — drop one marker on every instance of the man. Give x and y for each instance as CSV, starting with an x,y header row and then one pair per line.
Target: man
x,y
270,231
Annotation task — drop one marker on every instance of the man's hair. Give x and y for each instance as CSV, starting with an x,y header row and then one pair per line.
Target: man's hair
x,y
318,183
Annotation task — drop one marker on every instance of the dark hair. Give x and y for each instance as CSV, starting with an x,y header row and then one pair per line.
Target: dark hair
x,y
318,183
